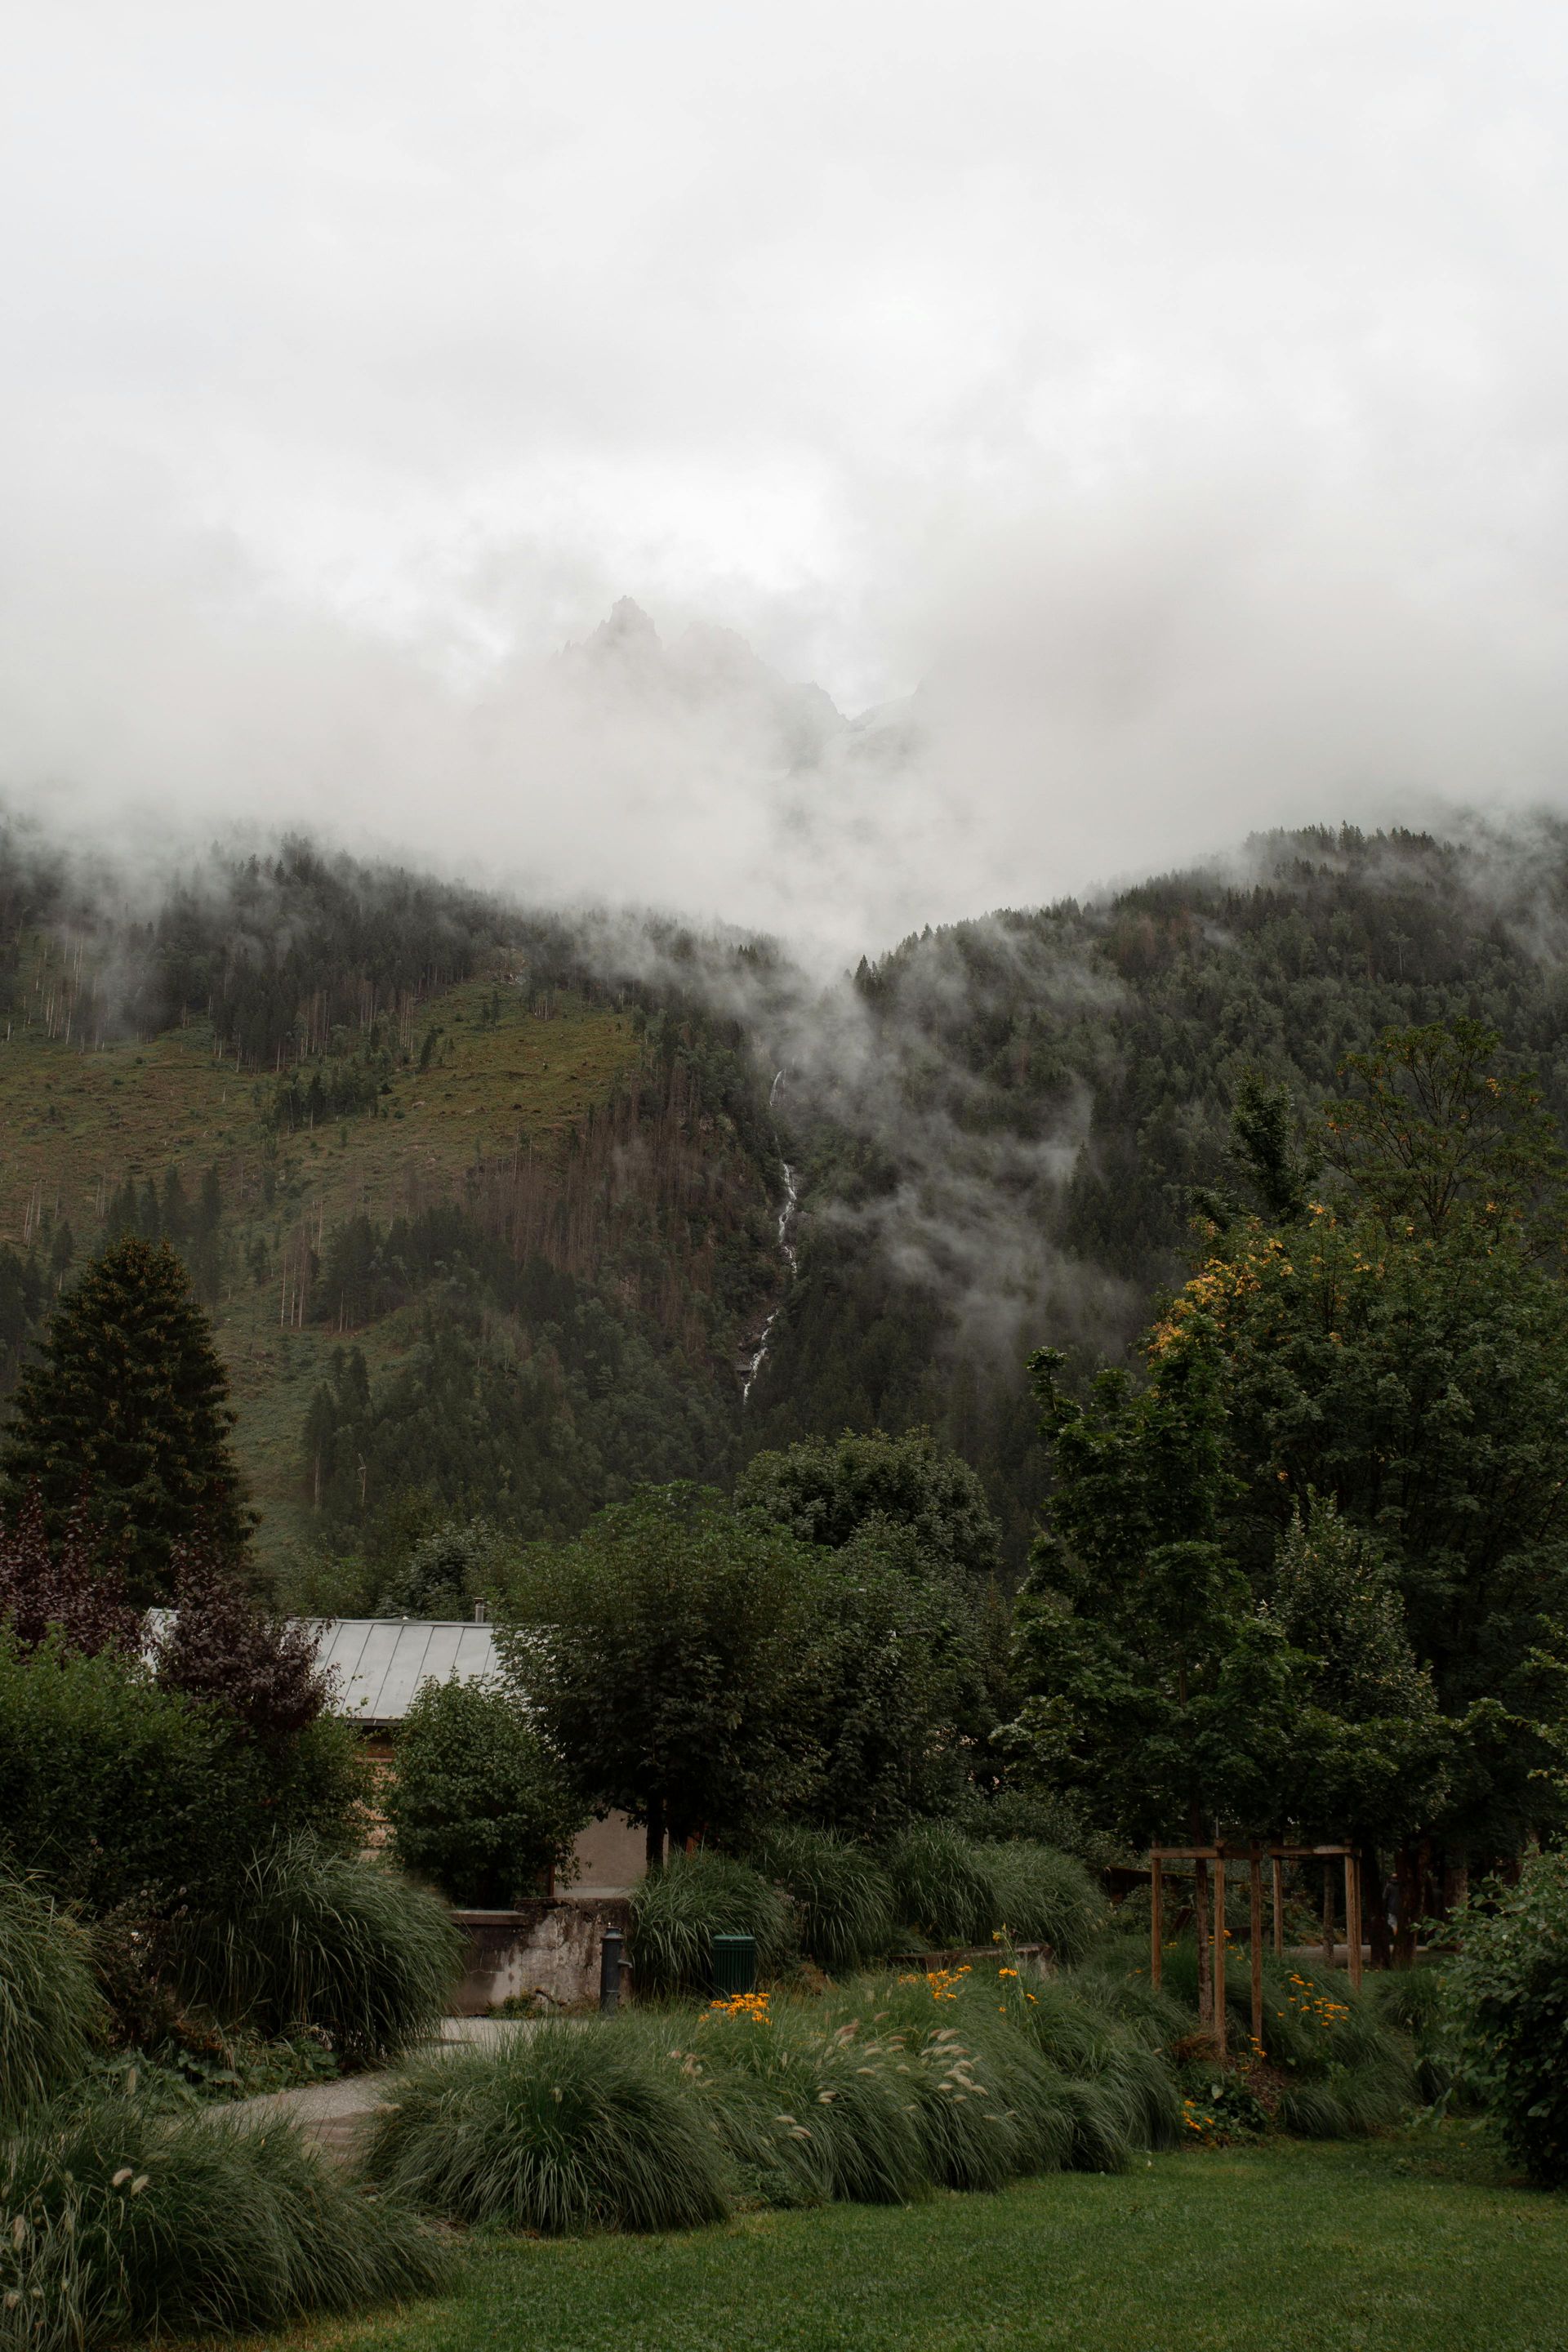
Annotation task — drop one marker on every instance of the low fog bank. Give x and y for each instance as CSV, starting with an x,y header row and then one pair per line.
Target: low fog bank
x,y
1099,694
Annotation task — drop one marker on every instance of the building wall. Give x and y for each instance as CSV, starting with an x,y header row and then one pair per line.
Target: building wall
x,y
547,1952
611,1857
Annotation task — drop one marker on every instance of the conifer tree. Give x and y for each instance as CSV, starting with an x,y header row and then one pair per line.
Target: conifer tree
x,y
127,1410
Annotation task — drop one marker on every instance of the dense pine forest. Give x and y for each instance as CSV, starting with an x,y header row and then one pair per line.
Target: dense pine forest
x,y
485,1200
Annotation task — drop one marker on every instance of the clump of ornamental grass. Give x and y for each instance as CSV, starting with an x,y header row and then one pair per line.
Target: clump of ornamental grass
x,y
1419,2003
800,2094
1124,2095
1044,1896
842,1899
1345,2070
51,2012
987,2105
317,1938
564,2126
1152,2013
941,1888
677,1911
119,2222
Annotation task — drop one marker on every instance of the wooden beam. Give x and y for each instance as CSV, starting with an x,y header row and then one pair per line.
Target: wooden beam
x,y
1256,1868
1277,1906
1219,1957
1352,1918
1156,1919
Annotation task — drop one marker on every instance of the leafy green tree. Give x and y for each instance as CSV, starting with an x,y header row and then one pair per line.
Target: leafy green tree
x,y
900,1697
1419,1383
1373,1745
1433,1130
1349,1445
479,1802
127,1407
1152,1686
1509,1990
117,1791
667,1652
825,1490
448,1570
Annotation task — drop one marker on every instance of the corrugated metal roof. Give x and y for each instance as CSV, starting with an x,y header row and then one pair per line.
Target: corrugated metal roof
x,y
380,1662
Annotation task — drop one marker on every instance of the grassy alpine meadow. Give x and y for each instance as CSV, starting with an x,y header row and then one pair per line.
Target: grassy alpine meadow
x,y
1414,2244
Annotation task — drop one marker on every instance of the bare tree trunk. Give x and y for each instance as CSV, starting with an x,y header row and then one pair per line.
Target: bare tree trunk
x,y
1407,1877
1375,1910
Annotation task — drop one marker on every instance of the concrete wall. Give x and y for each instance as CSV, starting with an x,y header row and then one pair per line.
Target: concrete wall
x,y
549,1945
611,1857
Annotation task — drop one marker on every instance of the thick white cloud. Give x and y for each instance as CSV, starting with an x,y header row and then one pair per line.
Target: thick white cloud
x,y
1178,391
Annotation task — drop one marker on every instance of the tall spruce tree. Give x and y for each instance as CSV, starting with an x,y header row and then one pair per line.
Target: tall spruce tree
x,y
126,1411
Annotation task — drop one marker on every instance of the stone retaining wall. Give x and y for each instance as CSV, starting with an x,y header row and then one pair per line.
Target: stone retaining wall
x,y
548,1946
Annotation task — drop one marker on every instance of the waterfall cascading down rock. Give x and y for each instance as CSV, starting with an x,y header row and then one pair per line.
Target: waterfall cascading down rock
x,y
787,1250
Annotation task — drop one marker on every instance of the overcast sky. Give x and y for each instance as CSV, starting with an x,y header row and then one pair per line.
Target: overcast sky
x,y
1179,394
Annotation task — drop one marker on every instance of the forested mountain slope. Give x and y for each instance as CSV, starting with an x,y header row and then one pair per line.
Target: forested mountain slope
x,y
999,1147
479,1230
484,1202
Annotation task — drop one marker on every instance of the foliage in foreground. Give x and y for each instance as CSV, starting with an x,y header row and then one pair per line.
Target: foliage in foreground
x,y
569,2126
678,1909
961,2078
1509,1988
324,1940
842,1899
50,2008
479,1803
114,1789
117,2222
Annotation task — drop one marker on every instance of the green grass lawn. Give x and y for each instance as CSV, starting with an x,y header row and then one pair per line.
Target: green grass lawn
x,y
1396,2247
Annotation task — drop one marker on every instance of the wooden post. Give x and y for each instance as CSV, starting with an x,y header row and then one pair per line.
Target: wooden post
x,y
1219,1956
1352,1918
1278,1907
1256,1868
1156,1919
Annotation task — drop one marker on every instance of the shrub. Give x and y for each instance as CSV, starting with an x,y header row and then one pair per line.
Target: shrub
x,y
1058,1820
115,1791
1043,1897
677,1910
1345,2072
942,1888
1509,1988
843,2121
479,1804
843,1900
565,2127
1122,2095
314,1937
50,2009
987,2105
119,2222
260,1672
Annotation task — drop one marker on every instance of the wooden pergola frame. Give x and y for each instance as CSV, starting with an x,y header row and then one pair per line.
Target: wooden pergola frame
x,y
1253,1856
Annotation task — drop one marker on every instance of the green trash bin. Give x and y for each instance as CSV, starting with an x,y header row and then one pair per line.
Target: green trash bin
x,y
735,1964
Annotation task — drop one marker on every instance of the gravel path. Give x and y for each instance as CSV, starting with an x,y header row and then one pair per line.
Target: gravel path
x,y
335,2115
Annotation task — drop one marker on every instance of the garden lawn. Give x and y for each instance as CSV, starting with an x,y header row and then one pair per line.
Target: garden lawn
x,y
1407,2246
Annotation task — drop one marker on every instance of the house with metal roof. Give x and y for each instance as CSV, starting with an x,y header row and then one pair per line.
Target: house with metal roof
x,y
378,1664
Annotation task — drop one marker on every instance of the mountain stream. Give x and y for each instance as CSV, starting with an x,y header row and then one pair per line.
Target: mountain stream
x,y
754,1364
